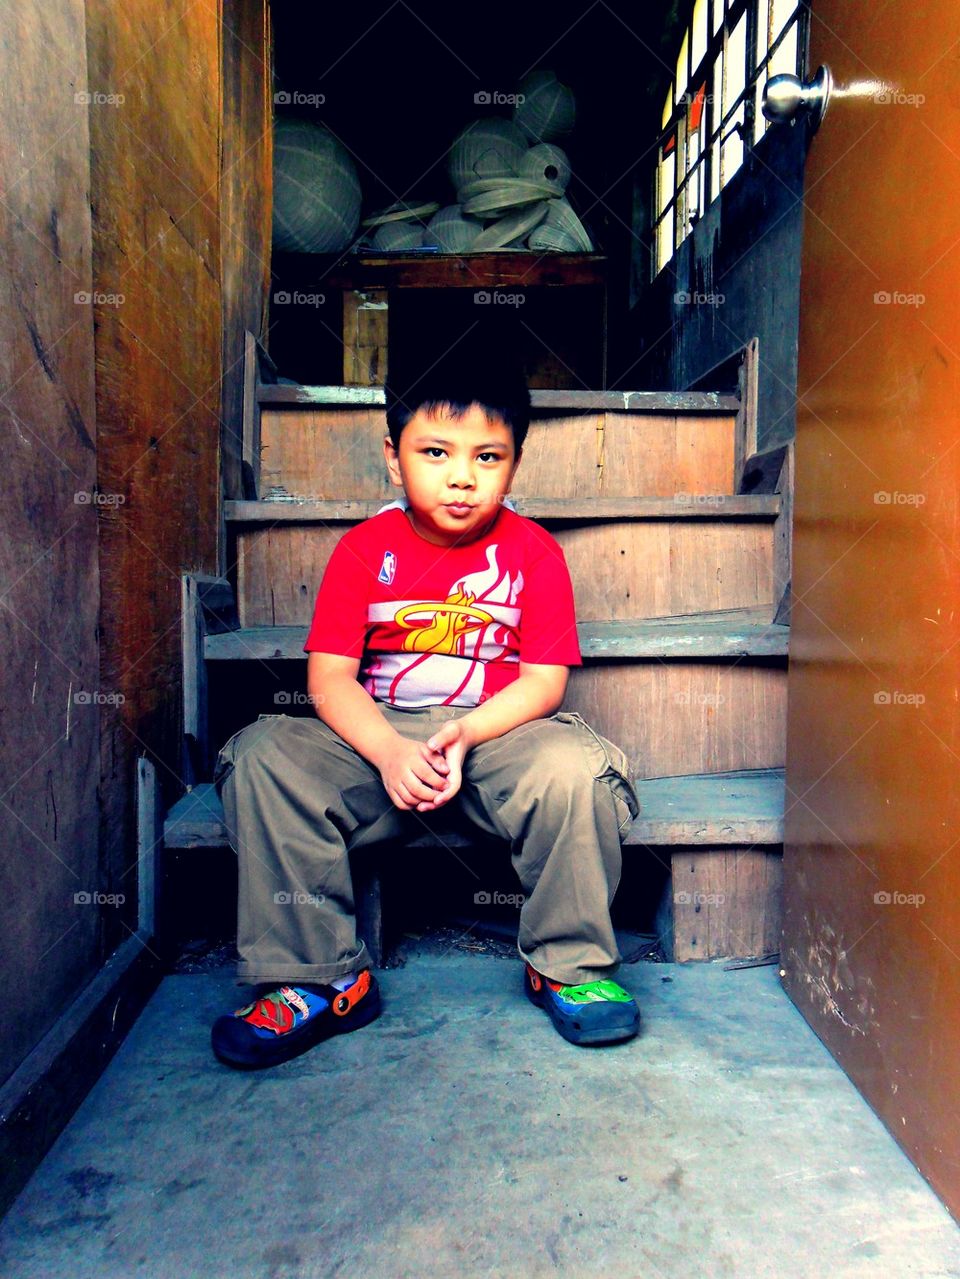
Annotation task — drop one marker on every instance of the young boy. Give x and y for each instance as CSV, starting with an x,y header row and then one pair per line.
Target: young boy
x,y
438,657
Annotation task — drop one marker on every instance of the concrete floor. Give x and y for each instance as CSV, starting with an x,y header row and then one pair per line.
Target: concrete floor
x,y
460,1136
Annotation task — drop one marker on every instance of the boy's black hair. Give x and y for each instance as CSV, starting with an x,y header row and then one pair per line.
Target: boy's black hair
x,y
477,369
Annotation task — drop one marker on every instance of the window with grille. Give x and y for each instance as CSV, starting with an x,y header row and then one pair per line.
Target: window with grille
x,y
712,114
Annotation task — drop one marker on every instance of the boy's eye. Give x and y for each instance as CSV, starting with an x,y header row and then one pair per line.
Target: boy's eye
x,y
433,450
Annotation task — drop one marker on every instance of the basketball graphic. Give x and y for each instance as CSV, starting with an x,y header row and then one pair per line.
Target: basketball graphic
x,y
440,628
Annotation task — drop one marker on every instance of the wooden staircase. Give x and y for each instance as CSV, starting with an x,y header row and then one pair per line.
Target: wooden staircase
x,y
681,580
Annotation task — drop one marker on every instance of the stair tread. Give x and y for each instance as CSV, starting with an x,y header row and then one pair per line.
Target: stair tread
x,y
196,820
733,632
287,394
740,632
743,807
733,808
682,506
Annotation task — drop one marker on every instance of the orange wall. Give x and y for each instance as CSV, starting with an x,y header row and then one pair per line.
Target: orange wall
x,y
872,863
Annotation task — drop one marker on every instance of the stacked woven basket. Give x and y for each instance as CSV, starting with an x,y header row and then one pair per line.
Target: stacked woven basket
x,y
510,179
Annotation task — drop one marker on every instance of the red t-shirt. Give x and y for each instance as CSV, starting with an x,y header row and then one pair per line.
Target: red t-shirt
x,y
445,626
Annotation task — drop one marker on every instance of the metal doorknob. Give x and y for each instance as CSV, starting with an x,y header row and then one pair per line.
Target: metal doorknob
x,y
785,97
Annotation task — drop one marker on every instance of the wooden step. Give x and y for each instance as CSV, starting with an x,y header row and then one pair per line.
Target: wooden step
x,y
683,506
743,807
580,445
745,632
723,835
620,570
290,395
736,632
196,820
710,810
689,715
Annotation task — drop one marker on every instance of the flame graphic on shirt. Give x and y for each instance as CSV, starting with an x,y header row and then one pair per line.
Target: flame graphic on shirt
x,y
433,628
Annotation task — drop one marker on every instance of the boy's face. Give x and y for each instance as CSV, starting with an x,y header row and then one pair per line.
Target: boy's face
x,y
454,473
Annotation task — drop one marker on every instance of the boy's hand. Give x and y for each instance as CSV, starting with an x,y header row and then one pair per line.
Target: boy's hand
x,y
413,774
453,741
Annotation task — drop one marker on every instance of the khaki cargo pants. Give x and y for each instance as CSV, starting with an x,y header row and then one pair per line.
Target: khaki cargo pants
x,y
297,799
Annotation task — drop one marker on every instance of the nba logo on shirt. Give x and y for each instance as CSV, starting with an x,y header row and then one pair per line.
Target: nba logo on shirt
x,y
388,568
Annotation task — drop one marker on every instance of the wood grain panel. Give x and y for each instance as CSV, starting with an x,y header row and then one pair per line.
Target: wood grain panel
x,y
49,744
662,568
623,454
686,717
726,903
871,869
325,453
245,206
338,453
365,317
154,187
278,575
620,569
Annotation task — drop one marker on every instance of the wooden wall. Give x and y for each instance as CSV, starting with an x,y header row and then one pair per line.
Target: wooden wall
x,y
246,209
49,753
871,938
154,192
117,195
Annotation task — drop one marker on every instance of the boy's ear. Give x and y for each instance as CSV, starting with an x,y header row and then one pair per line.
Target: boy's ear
x,y
393,462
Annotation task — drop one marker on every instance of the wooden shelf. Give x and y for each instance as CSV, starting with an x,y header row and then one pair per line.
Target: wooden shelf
x,y
702,810
720,506
742,632
503,268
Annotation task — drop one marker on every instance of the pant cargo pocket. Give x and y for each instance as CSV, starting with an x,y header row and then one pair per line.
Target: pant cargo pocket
x,y
610,765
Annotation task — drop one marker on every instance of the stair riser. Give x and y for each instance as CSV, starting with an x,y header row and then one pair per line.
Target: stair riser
x,y
620,570
721,903
686,717
339,453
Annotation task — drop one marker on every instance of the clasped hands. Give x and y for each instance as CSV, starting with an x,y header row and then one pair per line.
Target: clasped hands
x,y
423,776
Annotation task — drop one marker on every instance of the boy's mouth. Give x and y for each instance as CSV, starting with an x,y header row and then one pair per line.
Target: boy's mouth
x,y
459,506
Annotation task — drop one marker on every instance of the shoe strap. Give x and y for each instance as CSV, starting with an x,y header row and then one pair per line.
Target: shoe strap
x,y
345,1000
